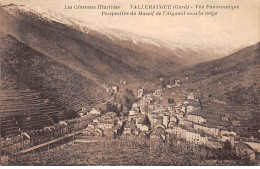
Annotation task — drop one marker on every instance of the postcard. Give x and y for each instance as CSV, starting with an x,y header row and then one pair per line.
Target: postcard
x,y
130,83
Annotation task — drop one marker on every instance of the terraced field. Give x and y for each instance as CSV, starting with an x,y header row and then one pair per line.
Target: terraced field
x,y
24,110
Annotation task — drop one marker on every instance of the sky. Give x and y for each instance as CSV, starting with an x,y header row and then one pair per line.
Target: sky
x,y
232,29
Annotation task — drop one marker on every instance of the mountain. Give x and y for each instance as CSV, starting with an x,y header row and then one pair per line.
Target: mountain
x,y
97,52
189,54
229,87
66,46
24,68
68,61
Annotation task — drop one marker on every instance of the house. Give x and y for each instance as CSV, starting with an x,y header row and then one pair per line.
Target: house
x,y
190,96
115,88
173,119
140,93
120,122
195,137
186,102
83,109
189,108
204,137
192,136
123,82
155,120
142,127
144,108
158,93
106,124
146,100
160,109
179,132
154,136
95,120
180,121
133,112
177,83
172,124
94,111
129,128
165,121
135,105
235,122
196,118
169,86
254,145
225,132
225,118
107,121
108,90
187,123
210,130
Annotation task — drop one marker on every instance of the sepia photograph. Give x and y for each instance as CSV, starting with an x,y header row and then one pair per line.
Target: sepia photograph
x,y
130,83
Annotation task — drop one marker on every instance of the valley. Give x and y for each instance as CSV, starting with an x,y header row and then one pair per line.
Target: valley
x,y
122,96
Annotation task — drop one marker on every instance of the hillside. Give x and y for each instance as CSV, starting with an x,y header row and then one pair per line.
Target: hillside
x,y
68,62
99,53
237,71
87,54
25,68
233,80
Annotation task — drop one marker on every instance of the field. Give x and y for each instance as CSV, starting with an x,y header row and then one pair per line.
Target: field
x,y
118,152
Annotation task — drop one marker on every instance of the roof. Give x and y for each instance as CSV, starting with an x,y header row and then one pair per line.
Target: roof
x,y
254,145
192,130
106,121
242,145
197,112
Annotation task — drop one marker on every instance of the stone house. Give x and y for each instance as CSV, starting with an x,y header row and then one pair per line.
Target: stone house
x,y
196,118
210,130
140,93
115,88
94,111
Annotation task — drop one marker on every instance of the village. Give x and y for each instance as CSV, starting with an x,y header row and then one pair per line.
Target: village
x,y
153,112
159,115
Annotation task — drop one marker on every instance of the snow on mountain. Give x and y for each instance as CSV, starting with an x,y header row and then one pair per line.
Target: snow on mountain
x,y
181,50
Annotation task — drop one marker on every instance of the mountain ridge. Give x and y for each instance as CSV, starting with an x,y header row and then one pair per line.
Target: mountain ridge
x,y
190,54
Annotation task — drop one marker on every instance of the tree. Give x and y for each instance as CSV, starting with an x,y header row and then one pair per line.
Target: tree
x,y
226,153
55,118
128,98
71,114
164,84
170,100
146,121
146,108
227,145
113,108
